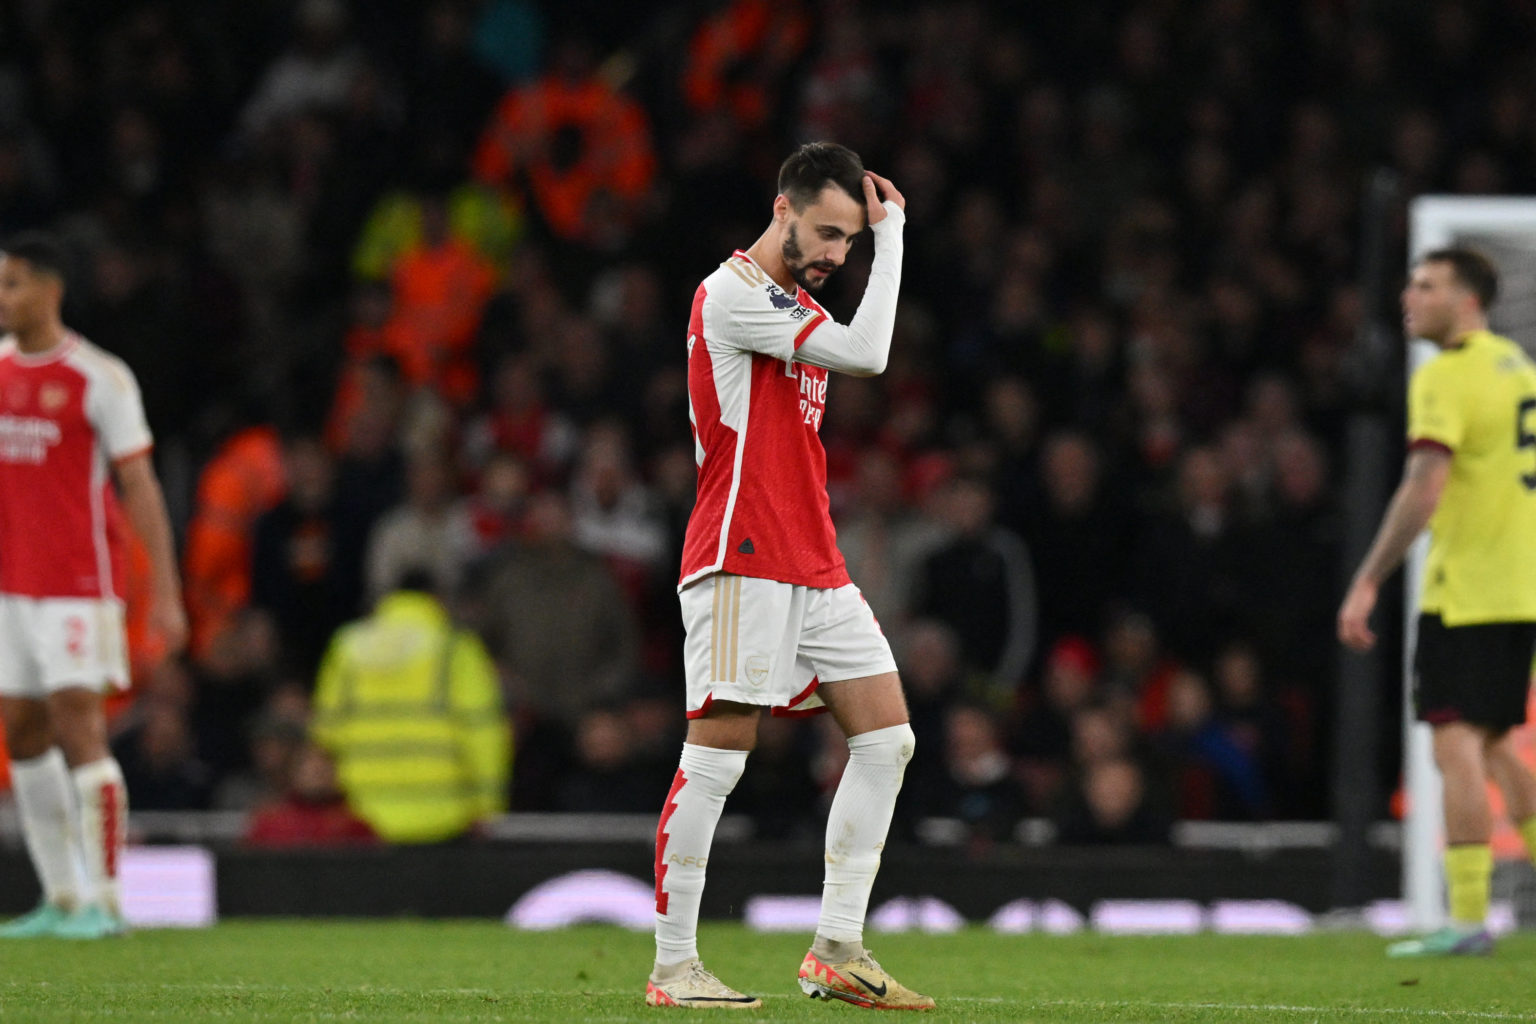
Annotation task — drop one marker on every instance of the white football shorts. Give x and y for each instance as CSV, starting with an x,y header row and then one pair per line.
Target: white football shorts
x,y
50,643
763,642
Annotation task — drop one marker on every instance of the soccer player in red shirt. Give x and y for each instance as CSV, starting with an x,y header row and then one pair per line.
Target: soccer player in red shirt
x,y
772,618
71,422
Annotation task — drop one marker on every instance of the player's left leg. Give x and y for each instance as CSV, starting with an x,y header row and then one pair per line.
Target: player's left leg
x,y
1458,748
872,713
1517,784
80,724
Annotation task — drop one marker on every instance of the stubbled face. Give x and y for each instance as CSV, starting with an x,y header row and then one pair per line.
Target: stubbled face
x,y
817,238
1432,302
26,296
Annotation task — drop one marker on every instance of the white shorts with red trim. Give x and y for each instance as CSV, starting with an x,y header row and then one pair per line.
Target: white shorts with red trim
x,y
51,643
757,641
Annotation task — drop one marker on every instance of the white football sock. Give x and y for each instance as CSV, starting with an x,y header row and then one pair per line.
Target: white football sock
x,y
856,829
103,828
50,821
705,777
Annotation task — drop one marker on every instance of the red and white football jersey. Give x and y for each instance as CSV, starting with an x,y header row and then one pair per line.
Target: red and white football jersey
x,y
762,507
65,416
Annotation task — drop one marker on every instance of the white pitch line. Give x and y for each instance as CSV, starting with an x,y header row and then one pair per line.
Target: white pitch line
x,y
1126,1004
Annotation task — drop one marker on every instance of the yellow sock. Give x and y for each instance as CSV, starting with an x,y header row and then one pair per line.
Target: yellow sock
x,y
1528,833
1469,875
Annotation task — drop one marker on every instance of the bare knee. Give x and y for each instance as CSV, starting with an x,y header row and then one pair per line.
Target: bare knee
x,y
1503,759
27,732
866,704
1460,749
726,726
79,725
1499,746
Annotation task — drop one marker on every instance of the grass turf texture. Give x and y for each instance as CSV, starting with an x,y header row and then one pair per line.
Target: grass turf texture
x,y
280,970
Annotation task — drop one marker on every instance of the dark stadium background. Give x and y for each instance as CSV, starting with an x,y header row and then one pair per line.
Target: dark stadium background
x,y
1095,501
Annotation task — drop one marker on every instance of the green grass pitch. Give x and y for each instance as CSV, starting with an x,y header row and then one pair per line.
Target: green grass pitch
x,y
445,971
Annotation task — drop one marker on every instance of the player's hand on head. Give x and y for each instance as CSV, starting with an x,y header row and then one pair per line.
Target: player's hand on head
x,y
876,190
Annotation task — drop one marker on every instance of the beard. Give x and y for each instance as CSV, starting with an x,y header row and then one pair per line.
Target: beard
x,y
800,268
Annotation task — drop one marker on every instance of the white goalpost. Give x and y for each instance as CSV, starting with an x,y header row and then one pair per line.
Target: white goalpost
x,y
1504,229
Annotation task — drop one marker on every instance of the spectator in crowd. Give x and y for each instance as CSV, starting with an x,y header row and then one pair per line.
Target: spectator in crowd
x,y
306,564
982,585
977,784
1045,734
613,513
370,461
409,707
739,56
158,751
1300,550
1196,559
1215,775
1254,720
238,677
604,776
520,420
317,71
885,541
242,481
1111,804
1137,672
496,510
274,742
563,636
311,810
1077,545
440,286
427,531
400,224
582,148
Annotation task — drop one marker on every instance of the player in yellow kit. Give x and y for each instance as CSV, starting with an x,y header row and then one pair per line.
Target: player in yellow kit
x,y
1471,478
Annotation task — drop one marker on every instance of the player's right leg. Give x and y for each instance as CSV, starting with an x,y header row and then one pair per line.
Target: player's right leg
x,y
49,822
726,618
710,766
1458,748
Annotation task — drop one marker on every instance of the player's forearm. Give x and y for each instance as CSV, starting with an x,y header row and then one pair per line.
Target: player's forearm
x,y
1407,515
863,347
145,507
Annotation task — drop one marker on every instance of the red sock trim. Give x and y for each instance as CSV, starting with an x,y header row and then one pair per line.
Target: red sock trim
x,y
662,836
111,814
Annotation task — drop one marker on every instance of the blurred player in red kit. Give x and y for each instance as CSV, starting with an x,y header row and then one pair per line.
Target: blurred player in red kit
x,y
71,425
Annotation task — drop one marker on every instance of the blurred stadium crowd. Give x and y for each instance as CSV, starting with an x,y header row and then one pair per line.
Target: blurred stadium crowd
x,y
405,285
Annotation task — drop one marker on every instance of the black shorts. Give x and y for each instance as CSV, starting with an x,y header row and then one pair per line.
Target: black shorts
x,y
1476,674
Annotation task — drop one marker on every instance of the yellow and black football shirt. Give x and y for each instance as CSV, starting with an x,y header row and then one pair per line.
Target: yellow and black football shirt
x,y
1477,400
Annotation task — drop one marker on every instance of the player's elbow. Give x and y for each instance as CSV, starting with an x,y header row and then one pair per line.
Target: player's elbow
x,y
872,365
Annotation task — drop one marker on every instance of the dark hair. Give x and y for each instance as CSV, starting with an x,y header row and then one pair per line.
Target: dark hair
x,y
42,252
1472,271
816,165
417,578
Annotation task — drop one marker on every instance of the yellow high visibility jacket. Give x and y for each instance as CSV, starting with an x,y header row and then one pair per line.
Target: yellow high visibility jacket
x,y
410,708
